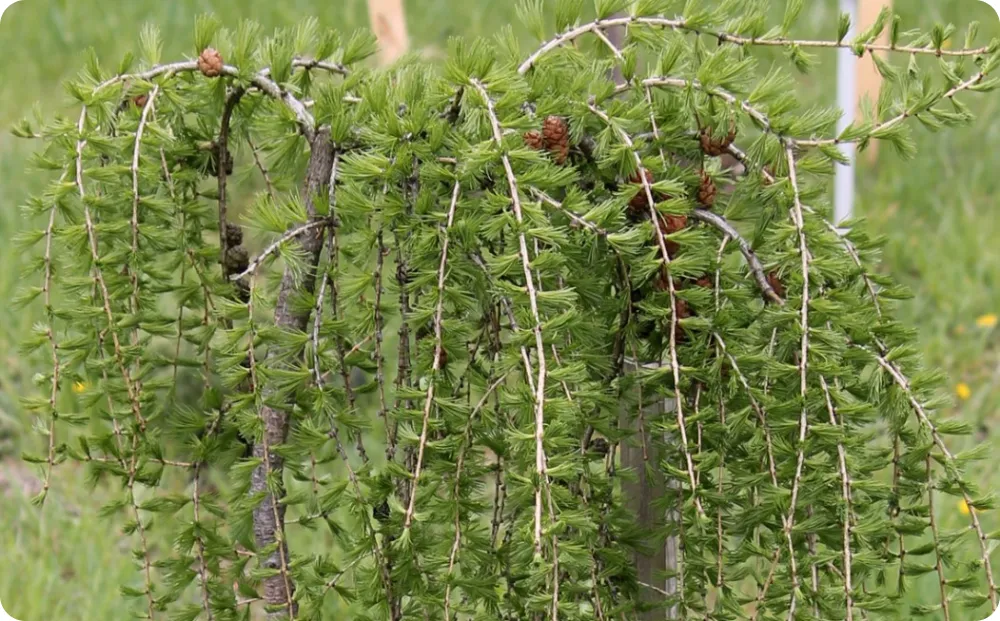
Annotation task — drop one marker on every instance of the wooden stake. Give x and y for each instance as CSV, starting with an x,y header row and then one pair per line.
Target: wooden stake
x,y
869,79
388,22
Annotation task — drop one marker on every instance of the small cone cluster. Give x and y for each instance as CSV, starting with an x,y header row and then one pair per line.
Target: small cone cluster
x,y
706,191
554,138
714,147
210,62
534,140
556,133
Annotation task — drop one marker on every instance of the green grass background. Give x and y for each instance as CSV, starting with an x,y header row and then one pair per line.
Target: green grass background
x,y
937,212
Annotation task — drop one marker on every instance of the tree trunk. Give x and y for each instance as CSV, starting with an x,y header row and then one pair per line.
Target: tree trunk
x,y
268,517
642,497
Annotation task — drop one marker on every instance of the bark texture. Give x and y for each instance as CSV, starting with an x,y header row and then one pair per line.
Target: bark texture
x,y
643,496
269,518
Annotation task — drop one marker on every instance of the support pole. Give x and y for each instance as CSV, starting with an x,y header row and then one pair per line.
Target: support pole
x,y
644,497
847,101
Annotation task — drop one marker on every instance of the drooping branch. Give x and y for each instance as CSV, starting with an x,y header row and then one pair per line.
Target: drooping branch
x,y
671,290
598,26
436,364
53,347
98,276
539,388
753,263
939,442
273,247
806,258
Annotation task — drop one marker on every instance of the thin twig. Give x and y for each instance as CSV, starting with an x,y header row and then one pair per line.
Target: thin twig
x,y
288,236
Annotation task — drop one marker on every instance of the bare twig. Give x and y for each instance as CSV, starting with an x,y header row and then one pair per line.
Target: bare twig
x,y
756,267
278,243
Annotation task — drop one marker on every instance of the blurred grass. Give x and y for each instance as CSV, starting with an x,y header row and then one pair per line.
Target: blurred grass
x,y
937,212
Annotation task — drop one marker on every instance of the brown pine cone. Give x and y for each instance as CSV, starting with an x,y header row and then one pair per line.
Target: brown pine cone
x,y
638,207
234,235
662,283
683,309
775,282
706,191
140,100
243,289
556,134
708,145
599,446
705,282
210,62
534,140
443,360
716,147
237,259
213,162
671,223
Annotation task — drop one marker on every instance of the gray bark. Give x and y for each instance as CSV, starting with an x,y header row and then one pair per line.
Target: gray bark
x,y
268,520
642,496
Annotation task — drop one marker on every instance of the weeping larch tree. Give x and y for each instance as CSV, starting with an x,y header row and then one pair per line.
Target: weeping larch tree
x,y
519,256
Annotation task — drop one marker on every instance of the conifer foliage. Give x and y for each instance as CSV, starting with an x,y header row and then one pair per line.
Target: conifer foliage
x,y
496,245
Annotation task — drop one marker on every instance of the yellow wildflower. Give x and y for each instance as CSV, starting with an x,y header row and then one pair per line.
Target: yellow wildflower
x,y
963,391
963,507
988,320
79,387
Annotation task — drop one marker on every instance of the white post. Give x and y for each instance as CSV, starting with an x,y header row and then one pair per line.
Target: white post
x,y
847,102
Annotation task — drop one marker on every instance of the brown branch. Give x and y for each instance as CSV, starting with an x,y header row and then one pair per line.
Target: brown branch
x,y
221,151
753,263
